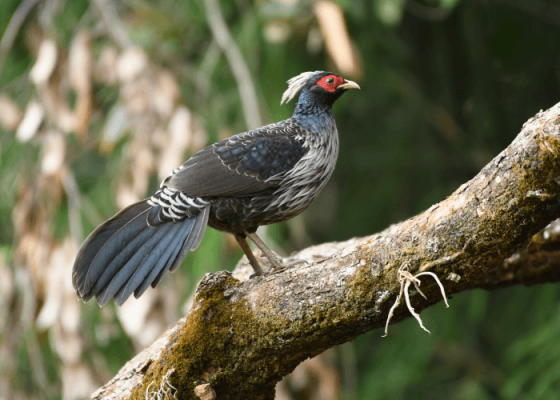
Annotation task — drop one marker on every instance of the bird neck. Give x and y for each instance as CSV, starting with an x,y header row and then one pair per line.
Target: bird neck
x,y
315,121
312,103
311,109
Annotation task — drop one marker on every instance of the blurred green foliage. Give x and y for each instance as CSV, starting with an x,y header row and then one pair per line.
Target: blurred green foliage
x,y
446,86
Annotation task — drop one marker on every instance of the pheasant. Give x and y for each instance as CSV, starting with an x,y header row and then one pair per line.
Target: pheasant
x,y
255,178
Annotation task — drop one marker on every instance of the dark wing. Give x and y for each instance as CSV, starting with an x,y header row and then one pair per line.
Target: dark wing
x,y
242,164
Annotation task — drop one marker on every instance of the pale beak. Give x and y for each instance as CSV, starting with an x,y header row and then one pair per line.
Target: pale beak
x,y
349,85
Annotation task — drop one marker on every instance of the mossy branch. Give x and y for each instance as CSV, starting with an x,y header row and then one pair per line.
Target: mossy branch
x,y
243,336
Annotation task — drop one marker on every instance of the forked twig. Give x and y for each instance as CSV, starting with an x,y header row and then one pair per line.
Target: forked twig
x,y
405,278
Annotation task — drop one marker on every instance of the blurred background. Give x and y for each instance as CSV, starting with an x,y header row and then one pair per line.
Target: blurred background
x,y
101,99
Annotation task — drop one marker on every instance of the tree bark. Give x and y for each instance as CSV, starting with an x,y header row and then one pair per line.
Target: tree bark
x,y
242,336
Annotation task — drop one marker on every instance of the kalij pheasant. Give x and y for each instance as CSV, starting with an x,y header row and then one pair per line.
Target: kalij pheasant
x,y
255,178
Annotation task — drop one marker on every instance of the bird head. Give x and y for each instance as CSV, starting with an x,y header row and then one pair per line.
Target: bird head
x,y
317,88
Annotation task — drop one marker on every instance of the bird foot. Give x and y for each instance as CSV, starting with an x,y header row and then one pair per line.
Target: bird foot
x,y
276,267
255,274
279,266
295,262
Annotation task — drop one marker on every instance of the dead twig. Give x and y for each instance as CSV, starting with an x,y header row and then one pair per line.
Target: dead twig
x,y
405,278
237,63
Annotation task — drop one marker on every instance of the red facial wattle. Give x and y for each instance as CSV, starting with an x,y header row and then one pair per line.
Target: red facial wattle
x,y
336,81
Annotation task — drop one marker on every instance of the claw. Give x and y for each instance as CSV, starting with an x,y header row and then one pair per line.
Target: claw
x,y
279,266
256,274
295,262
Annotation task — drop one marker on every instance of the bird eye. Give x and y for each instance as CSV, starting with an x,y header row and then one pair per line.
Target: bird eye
x,y
330,81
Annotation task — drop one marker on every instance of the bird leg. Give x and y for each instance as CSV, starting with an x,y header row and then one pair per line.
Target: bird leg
x,y
273,258
250,256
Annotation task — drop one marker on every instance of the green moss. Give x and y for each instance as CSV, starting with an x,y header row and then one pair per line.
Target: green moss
x,y
217,335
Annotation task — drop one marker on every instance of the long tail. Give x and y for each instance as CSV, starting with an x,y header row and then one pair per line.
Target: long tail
x,y
132,251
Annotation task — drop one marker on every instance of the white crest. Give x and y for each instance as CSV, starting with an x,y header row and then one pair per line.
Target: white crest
x,y
296,84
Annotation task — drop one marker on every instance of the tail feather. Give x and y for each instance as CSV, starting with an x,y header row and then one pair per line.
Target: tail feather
x,y
193,240
155,216
162,265
169,263
155,280
156,254
109,271
202,222
131,265
133,250
97,239
127,270
112,247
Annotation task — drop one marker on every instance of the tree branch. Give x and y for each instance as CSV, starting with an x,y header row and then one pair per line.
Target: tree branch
x,y
243,337
538,263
